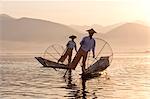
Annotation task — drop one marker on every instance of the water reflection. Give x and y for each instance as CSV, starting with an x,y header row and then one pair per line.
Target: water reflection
x,y
68,80
84,88
76,90
22,80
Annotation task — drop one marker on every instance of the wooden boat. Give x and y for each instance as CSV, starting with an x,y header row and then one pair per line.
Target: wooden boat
x,y
98,66
51,64
95,70
91,71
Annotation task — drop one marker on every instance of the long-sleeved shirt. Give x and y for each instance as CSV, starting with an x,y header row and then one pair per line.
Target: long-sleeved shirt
x,y
88,43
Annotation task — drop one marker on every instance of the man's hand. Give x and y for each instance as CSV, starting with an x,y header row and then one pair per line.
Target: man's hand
x,y
93,56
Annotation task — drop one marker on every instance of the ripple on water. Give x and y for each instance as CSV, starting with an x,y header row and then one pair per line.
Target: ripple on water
x,y
127,78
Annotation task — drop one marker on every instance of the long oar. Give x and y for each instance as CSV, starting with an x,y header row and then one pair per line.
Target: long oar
x,y
65,72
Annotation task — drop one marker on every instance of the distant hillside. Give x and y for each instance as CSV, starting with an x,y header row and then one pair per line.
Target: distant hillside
x,y
108,28
35,34
98,28
33,30
129,36
28,34
80,29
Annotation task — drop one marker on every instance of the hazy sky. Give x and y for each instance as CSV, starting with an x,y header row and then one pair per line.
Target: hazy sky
x,y
79,12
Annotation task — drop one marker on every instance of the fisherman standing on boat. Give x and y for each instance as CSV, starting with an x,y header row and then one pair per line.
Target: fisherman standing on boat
x,y
70,46
87,43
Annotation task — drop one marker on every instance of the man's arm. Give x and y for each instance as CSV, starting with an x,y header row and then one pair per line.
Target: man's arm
x,y
81,43
75,47
93,53
93,49
67,44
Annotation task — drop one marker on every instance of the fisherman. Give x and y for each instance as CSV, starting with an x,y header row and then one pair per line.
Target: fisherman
x,y
69,49
87,43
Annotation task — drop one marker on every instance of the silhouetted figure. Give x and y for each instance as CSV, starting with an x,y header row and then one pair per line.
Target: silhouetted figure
x,y
70,46
87,44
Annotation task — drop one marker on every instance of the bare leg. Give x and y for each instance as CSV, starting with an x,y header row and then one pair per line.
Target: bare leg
x,y
84,62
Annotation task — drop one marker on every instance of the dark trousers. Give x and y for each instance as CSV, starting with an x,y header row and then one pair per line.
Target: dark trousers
x,y
67,53
81,53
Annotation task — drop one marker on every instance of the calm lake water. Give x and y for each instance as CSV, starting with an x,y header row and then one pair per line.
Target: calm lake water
x,y
22,77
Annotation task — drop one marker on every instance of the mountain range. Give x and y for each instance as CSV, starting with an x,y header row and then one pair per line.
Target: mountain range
x,y
99,28
33,30
29,33
131,36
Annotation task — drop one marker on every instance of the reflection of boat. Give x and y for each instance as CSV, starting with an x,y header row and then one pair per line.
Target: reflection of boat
x,y
76,91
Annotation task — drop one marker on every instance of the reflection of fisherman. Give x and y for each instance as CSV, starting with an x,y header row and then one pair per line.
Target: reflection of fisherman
x,y
87,44
70,45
